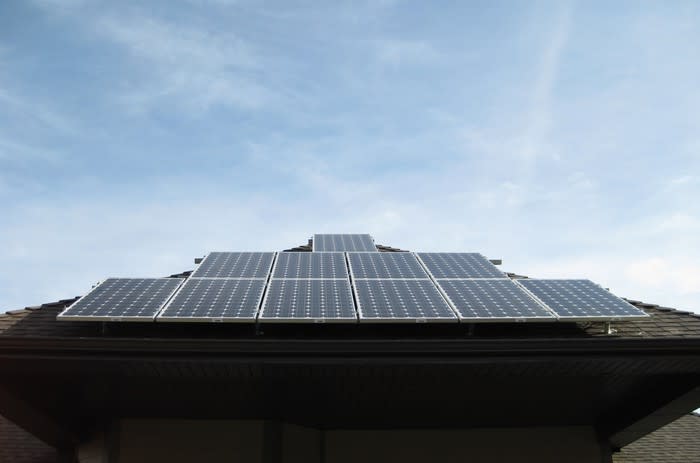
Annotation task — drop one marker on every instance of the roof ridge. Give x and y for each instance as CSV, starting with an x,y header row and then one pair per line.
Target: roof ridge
x,y
385,248
32,308
647,305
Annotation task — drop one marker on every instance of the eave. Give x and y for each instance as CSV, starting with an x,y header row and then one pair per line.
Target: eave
x,y
416,348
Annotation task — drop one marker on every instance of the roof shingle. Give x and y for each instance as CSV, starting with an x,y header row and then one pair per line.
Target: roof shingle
x,y
677,442
18,446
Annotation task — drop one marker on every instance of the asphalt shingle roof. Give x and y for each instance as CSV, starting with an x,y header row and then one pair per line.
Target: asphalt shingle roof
x,y
18,446
677,442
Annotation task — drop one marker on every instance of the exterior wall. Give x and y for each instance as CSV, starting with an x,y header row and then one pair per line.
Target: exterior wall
x,y
301,445
148,440
180,441
524,445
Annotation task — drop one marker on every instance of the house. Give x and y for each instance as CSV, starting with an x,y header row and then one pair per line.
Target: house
x,y
677,442
322,392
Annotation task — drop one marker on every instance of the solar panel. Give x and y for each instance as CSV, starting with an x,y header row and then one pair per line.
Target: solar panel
x,y
401,300
308,300
580,299
491,300
310,265
385,265
459,265
235,265
123,299
348,242
215,300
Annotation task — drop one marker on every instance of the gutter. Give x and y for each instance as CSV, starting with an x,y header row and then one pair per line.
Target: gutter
x,y
320,348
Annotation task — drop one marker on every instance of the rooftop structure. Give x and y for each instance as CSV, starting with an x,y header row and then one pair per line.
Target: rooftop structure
x,y
286,349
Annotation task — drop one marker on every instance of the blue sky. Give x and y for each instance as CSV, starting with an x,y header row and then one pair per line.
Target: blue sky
x,y
561,137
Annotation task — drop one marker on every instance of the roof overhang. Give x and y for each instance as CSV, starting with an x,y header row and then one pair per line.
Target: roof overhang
x,y
60,388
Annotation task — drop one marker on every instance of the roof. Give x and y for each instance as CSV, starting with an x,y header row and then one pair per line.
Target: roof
x,y
18,446
639,376
664,322
674,443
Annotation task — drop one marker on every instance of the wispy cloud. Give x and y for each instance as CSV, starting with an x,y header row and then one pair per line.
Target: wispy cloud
x,y
20,107
667,274
523,134
684,180
61,5
396,52
539,117
25,122
183,65
15,152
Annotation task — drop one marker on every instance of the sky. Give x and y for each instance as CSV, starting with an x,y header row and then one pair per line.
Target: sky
x,y
563,138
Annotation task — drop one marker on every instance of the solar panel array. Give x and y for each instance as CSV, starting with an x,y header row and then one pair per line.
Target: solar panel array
x,y
478,292
309,287
226,287
492,300
580,300
392,300
235,265
385,265
123,299
394,287
215,299
459,265
343,243
308,301
303,265
343,286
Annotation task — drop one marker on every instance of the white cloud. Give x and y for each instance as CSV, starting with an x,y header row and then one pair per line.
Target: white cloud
x,y
677,222
534,140
23,108
684,180
395,52
61,4
25,121
214,2
16,152
666,273
184,65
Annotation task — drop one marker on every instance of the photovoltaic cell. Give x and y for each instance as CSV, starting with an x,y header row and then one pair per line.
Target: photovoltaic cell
x,y
137,299
580,299
385,265
308,300
401,300
302,265
492,300
228,300
349,242
235,265
459,265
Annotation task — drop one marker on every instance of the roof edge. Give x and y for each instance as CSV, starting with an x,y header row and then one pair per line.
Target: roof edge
x,y
407,348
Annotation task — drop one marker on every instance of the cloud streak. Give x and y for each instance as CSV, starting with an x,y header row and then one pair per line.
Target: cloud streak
x,y
196,68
